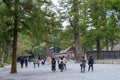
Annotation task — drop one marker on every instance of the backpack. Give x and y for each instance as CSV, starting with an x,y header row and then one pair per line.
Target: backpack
x,y
61,62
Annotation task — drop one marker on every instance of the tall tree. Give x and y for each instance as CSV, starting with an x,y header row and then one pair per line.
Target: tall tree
x,y
15,37
5,30
74,15
98,21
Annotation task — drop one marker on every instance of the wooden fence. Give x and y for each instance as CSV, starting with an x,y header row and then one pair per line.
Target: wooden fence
x,y
104,54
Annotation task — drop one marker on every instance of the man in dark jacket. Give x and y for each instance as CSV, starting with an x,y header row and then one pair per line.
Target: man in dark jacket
x,y
53,64
90,63
21,61
83,64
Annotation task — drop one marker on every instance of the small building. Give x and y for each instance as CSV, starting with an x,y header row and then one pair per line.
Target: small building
x,y
106,54
68,53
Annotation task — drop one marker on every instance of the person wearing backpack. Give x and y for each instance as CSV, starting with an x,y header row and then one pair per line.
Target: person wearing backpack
x,y
38,62
90,63
64,62
61,64
83,64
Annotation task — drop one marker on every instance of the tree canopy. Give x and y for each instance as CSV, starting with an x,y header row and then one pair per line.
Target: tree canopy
x,y
32,27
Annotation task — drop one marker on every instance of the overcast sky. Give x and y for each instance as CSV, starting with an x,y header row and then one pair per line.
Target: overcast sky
x,y
65,23
55,2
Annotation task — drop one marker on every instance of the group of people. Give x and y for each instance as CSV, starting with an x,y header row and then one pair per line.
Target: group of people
x,y
61,64
83,64
38,62
23,61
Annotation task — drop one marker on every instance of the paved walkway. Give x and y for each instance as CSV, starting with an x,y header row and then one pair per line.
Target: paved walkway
x,y
101,72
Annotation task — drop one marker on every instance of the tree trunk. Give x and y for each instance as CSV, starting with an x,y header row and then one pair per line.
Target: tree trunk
x,y
98,47
47,49
78,47
45,38
107,46
1,62
111,45
0,57
75,24
15,36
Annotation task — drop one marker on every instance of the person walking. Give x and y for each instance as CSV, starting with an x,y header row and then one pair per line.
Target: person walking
x,y
90,63
64,62
42,61
58,61
83,64
61,64
21,62
34,62
38,62
26,62
53,64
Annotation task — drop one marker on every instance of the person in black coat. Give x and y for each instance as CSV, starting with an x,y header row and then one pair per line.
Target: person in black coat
x,y
21,62
90,63
26,62
53,64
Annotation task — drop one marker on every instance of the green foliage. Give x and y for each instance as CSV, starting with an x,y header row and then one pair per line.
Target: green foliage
x,y
66,38
39,23
94,21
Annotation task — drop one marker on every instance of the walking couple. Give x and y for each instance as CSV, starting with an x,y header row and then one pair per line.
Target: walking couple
x,y
83,64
